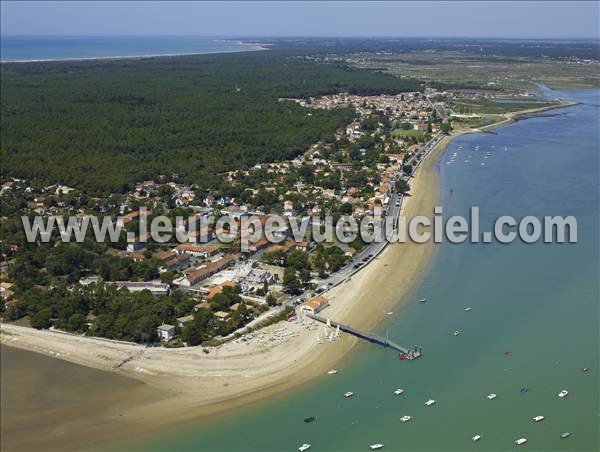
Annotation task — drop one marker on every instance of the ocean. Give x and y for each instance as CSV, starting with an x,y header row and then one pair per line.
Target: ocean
x,y
532,328
34,48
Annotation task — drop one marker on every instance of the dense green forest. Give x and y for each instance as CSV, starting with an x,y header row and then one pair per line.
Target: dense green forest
x,y
103,125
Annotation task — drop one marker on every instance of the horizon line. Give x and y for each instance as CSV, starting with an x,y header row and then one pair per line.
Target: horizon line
x,y
518,38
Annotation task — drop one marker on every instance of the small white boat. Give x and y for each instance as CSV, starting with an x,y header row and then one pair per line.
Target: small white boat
x,y
429,402
520,441
398,391
405,418
467,309
423,300
332,372
476,438
563,393
304,447
491,396
456,333
390,313
375,446
538,418
565,435
349,394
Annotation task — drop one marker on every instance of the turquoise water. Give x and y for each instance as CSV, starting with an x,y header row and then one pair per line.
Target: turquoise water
x,y
539,302
25,48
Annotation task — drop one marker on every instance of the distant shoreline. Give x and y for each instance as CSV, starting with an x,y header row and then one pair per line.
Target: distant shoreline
x,y
250,47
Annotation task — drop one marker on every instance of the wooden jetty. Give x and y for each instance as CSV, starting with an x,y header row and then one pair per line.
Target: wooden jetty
x,y
405,353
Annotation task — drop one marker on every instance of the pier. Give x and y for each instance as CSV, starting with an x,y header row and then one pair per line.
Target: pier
x,y
405,353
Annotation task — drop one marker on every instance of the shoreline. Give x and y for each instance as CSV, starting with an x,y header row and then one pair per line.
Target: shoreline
x,y
190,385
250,47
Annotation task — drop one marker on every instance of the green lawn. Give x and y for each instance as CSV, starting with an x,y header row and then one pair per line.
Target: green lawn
x,y
408,133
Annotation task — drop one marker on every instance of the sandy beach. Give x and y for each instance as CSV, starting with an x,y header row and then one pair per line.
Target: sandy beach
x,y
182,385
188,384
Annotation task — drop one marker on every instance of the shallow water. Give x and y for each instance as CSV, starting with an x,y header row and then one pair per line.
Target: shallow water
x,y
27,48
533,323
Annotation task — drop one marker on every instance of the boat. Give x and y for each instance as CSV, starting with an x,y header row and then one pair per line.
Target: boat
x,y
423,300
456,333
585,369
304,447
309,419
565,435
398,391
563,393
538,418
429,402
332,372
476,438
524,390
520,441
375,446
492,396
348,394
390,313
405,418
468,309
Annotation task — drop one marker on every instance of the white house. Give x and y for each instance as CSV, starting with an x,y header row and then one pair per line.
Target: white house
x,y
166,332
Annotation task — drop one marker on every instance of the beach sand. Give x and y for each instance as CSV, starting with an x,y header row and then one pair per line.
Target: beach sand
x,y
183,385
142,390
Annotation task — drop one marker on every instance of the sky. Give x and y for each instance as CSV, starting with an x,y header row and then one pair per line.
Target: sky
x,y
519,19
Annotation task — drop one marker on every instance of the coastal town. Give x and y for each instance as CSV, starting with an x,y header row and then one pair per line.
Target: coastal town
x,y
224,291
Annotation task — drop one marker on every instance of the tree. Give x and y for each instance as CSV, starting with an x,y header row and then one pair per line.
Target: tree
x,y
291,283
402,186
41,319
271,300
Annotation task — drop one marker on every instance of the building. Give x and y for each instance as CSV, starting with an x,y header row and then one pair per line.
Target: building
x,y
155,287
166,332
182,321
222,316
195,276
314,305
219,289
197,251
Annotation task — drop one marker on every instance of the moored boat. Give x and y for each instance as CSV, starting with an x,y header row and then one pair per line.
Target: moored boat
x,y
429,402
520,441
491,396
476,438
405,418
538,418
563,393
565,435
398,391
304,447
332,372
375,446
348,394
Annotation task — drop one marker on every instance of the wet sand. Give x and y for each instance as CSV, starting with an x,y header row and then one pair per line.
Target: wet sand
x,y
171,387
52,404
